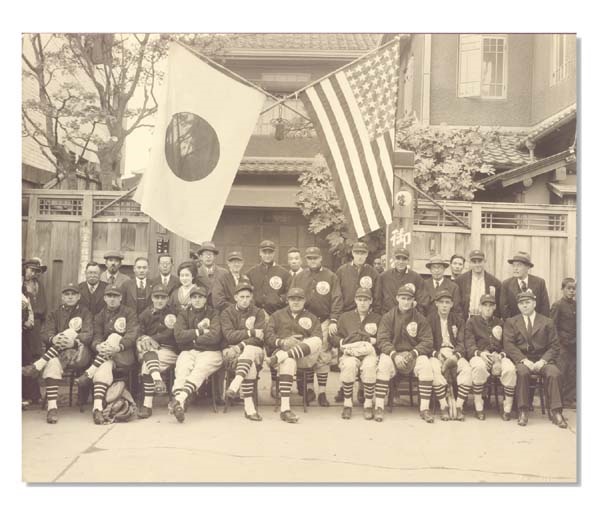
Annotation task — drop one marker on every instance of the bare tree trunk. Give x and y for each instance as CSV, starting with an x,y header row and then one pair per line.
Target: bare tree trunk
x,y
109,159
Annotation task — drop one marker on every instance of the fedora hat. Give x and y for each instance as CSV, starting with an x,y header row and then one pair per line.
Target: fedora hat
x,y
35,263
522,257
437,260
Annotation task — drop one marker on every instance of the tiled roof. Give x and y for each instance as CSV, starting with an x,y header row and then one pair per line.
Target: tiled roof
x,y
550,123
306,41
505,153
280,166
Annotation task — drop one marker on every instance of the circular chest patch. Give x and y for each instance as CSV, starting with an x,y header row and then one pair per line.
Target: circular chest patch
x,y
366,282
371,328
75,323
323,288
120,324
497,332
250,322
412,328
305,323
192,147
204,323
275,283
170,321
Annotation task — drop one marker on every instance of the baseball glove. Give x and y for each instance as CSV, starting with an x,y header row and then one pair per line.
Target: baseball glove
x,y
230,356
289,342
496,364
405,362
358,349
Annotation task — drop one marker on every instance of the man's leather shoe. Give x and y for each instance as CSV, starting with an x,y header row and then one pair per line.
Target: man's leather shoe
x,y
523,418
459,414
159,387
288,416
346,412
30,371
178,411
253,417
379,414
323,402
339,397
480,414
558,419
368,413
52,416
445,415
505,416
144,412
310,396
426,416
98,417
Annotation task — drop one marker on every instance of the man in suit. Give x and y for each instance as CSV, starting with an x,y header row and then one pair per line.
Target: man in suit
x,y
531,342
137,291
208,270
165,276
224,286
521,282
475,283
457,265
294,261
112,276
437,283
92,289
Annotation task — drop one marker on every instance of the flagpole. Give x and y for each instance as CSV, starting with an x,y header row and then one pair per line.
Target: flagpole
x,y
212,62
396,39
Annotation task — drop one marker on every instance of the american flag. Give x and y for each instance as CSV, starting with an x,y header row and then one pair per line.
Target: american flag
x,y
354,113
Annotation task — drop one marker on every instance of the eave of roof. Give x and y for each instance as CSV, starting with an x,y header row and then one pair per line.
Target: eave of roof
x,y
562,189
550,124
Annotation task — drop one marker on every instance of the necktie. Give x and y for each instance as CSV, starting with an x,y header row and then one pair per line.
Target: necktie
x,y
529,330
523,287
436,283
111,280
141,284
165,281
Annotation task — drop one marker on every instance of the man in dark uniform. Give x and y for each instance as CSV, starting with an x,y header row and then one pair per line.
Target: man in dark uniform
x,y
208,270
475,283
356,274
112,276
165,274
224,286
521,282
137,291
431,286
378,265
324,299
531,342
92,289
564,315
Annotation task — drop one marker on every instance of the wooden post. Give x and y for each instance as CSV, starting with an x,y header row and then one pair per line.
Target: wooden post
x,y
572,243
85,233
476,226
399,232
31,242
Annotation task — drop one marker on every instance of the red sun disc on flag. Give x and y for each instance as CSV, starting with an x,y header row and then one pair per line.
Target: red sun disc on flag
x,y
191,146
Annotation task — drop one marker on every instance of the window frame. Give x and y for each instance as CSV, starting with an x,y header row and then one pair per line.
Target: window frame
x,y
569,60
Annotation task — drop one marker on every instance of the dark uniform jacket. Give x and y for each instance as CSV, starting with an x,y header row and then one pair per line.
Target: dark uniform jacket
x,y
223,290
240,325
352,329
37,298
59,319
492,287
456,332
172,284
93,302
207,279
271,284
387,287
123,321
508,296
351,277
543,342
283,324
159,325
564,315
406,331
479,336
429,292
188,321
322,291
138,299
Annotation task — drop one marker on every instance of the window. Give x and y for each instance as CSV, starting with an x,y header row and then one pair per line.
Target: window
x,y
482,66
562,57
408,87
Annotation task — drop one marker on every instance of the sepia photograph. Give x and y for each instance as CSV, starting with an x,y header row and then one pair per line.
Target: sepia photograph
x,y
299,258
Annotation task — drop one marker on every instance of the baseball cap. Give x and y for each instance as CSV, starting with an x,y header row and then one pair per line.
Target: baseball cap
x,y
70,287
267,244
243,286
198,291
525,295
405,290
296,292
112,290
360,247
477,254
312,251
363,292
235,255
442,294
487,298
401,251
160,290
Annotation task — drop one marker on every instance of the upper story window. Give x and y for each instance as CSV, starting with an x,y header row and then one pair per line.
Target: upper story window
x,y
563,58
482,66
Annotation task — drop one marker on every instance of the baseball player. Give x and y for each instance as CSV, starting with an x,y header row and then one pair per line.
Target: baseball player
x,y
199,339
323,299
564,315
448,354
243,326
356,337
405,341
224,286
115,332
293,337
67,332
156,346
483,342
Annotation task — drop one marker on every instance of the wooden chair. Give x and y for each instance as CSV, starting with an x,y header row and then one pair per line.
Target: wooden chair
x,y
394,383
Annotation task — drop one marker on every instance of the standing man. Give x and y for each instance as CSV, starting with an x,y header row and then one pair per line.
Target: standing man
x,y
356,274
137,291
522,281
475,283
92,289
270,282
564,315
438,282
391,280
324,299
405,342
457,265
224,287
294,261
531,342
208,271
112,276
165,274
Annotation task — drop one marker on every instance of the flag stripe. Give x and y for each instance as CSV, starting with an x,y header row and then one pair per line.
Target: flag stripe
x,y
354,170
333,157
387,157
367,169
383,168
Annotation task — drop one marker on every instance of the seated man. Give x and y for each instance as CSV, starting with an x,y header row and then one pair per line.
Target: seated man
x,y
531,342
448,355
199,340
115,332
293,336
67,333
356,334
244,331
156,346
483,342
405,342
